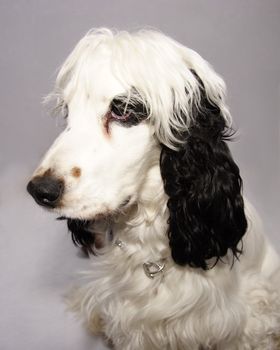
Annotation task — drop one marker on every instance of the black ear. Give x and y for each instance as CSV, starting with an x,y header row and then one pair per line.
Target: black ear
x,y
204,187
82,235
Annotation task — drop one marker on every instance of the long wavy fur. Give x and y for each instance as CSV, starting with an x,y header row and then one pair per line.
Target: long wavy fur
x,y
117,208
204,187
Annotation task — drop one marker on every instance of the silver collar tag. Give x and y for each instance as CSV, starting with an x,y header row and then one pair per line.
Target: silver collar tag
x,y
151,269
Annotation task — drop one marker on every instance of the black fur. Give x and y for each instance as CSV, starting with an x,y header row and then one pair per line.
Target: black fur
x,y
81,234
204,188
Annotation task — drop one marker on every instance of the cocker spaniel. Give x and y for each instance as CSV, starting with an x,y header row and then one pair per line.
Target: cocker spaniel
x,y
145,179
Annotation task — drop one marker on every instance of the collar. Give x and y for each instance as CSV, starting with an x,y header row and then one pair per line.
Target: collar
x,y
151,269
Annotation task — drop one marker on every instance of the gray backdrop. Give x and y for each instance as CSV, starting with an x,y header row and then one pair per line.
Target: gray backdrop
x,y
37,260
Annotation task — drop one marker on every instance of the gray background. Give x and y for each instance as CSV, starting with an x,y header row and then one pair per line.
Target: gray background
x,y
37,260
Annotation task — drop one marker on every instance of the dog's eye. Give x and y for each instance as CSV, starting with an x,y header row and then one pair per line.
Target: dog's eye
x,y
119,113
126,113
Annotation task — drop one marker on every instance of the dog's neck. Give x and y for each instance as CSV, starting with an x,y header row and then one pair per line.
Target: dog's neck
x,y
140,230
148,213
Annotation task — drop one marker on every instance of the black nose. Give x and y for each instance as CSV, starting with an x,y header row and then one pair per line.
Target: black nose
x,y
46,190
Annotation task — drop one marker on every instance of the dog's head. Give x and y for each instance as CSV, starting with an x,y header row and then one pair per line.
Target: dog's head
x,y
133,101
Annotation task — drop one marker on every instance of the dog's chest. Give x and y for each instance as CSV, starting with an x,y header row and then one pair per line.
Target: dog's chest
x,y
129,300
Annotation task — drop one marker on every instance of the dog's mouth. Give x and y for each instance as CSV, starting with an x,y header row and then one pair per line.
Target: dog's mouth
x,y
85,213
83,231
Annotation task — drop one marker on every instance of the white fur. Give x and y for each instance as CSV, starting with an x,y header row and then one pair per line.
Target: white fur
x,y
226,308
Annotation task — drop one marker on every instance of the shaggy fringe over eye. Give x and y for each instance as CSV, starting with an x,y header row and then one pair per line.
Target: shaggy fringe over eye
x,y
204,187
158,67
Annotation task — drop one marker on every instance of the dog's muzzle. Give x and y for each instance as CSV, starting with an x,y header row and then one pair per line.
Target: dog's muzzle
x,y
46,190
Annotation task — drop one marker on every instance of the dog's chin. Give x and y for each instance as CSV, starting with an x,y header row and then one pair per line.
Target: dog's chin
x,y
87,214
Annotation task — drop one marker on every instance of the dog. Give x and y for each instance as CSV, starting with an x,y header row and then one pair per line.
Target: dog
x,y
146,181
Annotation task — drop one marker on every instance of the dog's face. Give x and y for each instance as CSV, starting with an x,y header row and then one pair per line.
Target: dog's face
x,y
135,102
99,161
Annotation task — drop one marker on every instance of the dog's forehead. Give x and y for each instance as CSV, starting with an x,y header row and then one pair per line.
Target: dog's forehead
x,y
98,77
